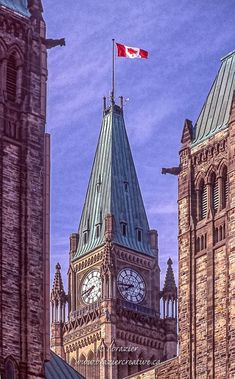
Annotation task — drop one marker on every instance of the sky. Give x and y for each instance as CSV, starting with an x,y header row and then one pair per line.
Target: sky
x,y
185,40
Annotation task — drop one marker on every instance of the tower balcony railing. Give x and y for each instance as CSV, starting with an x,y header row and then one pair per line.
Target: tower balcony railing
x,y
137,308
84,311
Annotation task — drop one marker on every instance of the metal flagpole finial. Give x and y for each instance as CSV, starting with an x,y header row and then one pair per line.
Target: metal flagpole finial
x,y
113,74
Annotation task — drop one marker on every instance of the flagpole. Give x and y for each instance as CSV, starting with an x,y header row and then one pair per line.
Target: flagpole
x,y
113,74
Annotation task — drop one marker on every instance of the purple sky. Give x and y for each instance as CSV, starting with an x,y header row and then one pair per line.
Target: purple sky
x,y
185,40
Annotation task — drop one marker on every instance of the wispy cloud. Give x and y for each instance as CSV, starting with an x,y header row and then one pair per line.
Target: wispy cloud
x,y
185,40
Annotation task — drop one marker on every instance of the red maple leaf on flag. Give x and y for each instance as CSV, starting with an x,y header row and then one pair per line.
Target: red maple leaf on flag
x,y
132,51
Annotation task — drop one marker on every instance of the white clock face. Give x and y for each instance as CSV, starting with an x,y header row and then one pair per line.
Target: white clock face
x,y
91,287
131,285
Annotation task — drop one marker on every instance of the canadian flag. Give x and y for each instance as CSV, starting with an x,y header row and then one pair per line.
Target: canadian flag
x,y
131,52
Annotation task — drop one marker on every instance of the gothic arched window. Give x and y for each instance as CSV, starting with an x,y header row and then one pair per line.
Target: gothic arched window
x,y
214,192
11,78
10,370
224,187
202,200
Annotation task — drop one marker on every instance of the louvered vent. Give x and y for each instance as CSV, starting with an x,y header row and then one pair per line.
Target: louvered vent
x,y
203,202
215,195
225,183
11,78
225,188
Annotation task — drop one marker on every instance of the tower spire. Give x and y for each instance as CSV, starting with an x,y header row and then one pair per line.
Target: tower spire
x,y
169,292
58,303
114,190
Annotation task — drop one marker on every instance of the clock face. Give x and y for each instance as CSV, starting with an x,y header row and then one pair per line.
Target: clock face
x,y
91,287
131,285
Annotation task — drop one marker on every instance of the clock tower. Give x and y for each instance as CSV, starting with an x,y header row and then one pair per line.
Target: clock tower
x,y
114,327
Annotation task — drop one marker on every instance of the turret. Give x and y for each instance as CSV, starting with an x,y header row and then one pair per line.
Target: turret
x,y
58,304
169,298
169,293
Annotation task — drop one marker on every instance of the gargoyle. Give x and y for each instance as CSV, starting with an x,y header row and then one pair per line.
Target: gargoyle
x,y
171,170
50,43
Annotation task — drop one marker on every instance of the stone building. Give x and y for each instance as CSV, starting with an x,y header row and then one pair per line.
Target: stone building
x,y
113,278
24,196
206,239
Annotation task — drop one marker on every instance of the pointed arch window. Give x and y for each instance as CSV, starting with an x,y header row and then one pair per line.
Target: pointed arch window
x,y
224,187
215,192
202,200
11,84
10,369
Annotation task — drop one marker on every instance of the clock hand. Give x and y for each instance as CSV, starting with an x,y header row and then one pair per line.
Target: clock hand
x,y
88,291
126,285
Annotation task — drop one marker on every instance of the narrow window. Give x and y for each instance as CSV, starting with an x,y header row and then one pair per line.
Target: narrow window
x,y
11,78
215,193
202,201
224,188
85,237
126,186
139,235
198,244
124,229
202,242
216,235
97,232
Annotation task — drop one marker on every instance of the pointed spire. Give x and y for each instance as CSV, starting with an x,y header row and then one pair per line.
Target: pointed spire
x,y
215,112
114,191
169,289
57,293
187,133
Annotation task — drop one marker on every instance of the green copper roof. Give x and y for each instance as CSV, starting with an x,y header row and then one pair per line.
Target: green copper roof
x,y
214,115
57,368
19,6
113,189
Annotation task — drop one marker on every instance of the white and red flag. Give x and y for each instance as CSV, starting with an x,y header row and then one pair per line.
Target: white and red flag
x,y
131,52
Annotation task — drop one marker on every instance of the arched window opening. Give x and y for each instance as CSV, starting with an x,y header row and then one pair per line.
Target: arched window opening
x,y
215,193
82,365
90,369
216,235
224,188
202,201
11,78
10,371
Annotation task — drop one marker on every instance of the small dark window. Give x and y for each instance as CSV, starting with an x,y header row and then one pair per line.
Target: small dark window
x,y
85,237
124,229
126,186
11,78
139,235
97,231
